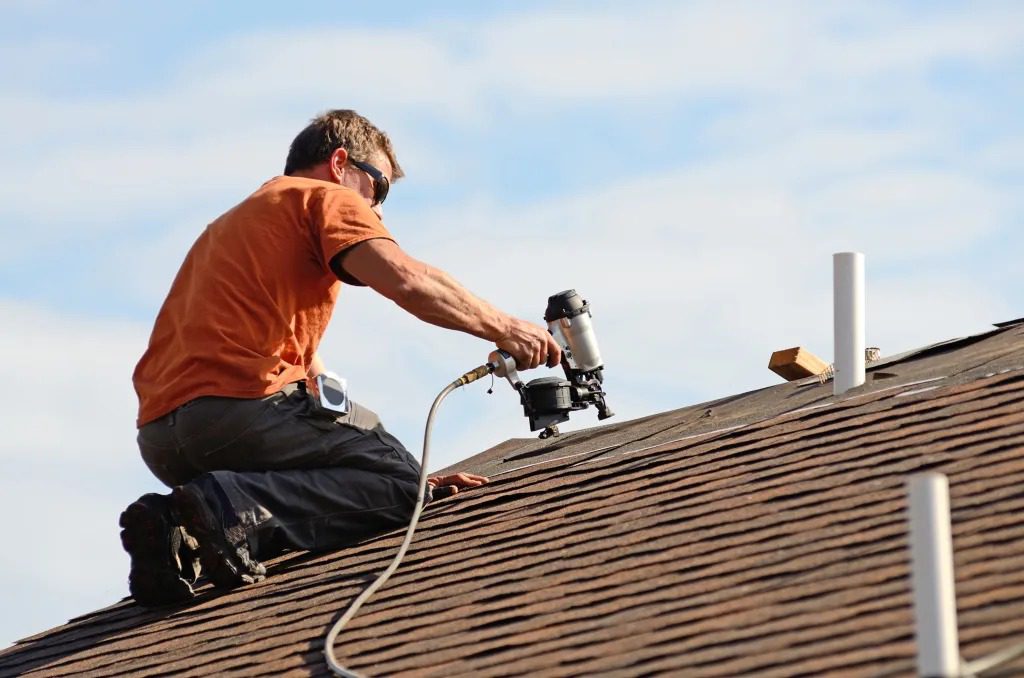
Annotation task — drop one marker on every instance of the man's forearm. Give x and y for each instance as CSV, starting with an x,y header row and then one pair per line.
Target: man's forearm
x,y
435,297
432,295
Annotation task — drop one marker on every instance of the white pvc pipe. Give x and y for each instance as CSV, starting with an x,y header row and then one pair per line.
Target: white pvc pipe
x,y
931,561
848,316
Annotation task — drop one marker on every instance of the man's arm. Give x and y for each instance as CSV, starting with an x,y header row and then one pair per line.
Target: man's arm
x,y
433,296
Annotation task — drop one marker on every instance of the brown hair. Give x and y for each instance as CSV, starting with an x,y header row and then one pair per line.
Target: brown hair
x,y
340,128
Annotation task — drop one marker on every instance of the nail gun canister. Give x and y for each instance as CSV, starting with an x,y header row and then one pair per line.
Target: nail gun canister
x,y
569,321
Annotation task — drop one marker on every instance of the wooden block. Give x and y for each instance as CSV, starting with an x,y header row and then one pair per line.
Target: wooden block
x,y
796,363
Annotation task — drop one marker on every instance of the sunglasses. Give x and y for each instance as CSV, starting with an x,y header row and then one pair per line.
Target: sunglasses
x,y
381,185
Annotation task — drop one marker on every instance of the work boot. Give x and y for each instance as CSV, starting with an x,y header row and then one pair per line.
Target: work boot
x,y
225,563
156,545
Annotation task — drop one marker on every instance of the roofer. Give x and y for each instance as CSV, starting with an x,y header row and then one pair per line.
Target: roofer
x,y
226,413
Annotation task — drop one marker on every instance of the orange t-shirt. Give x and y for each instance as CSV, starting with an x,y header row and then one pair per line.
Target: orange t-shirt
x,y
250,304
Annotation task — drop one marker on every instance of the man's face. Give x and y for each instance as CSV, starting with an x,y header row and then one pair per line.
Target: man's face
x,y
362,181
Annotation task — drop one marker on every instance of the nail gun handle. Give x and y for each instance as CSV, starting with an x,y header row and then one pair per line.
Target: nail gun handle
x,y
504,365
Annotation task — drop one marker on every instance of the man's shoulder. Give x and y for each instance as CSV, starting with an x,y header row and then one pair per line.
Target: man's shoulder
x,y
322,202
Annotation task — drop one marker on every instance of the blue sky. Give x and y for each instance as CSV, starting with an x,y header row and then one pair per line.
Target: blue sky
x,y
689,167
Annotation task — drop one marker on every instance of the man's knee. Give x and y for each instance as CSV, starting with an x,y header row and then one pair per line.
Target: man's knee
x,y
401,464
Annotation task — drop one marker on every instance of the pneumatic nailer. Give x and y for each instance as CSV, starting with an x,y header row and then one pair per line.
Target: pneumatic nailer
x,y
547,401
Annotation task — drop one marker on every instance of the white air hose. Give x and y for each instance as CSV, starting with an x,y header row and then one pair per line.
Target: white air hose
x,y
332,661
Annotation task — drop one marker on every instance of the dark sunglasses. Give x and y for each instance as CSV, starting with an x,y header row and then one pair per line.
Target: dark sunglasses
x,y
381,185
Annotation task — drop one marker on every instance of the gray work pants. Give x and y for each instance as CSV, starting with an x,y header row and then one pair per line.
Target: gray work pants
x,y
293,476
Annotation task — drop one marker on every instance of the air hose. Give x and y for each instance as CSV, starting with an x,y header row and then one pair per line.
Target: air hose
x,y
332,661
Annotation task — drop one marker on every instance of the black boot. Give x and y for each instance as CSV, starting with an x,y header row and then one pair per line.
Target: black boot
x,y
156,544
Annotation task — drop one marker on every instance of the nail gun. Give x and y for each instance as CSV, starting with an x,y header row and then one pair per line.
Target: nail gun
x,y
547,401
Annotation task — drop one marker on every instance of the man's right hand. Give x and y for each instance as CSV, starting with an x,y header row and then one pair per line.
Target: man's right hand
x,y
530,345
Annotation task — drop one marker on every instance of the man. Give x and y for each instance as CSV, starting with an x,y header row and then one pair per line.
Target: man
x,y
226,414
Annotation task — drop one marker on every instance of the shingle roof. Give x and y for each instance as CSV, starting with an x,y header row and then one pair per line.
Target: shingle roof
x,y
759,534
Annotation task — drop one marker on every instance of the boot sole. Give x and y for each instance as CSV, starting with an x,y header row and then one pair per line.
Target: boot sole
x,y
146,536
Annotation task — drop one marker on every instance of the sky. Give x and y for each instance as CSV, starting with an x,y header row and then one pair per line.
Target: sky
x,y
688,167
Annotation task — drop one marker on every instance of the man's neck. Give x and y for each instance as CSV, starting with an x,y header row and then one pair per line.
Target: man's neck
x,y
320,172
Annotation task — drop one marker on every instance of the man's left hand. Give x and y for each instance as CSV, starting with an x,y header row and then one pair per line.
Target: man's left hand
x,y
448,485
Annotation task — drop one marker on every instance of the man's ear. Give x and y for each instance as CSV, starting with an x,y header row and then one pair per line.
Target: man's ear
x,y
336,163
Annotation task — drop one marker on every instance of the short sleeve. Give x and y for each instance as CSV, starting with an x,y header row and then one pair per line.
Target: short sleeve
x,y
341,218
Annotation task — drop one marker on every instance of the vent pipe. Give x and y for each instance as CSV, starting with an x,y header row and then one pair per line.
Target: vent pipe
x,y
848,315
931,562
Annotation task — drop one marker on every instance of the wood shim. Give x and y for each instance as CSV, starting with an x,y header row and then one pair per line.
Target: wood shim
x,y
796,363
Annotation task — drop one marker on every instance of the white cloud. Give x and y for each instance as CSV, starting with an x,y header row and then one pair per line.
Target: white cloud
x,y
730,46
73,401
407,68
32,61
65,187
68,558
233,105
909,40
1004,156
558,54
908,215
916,311
810,155
71,462
150,263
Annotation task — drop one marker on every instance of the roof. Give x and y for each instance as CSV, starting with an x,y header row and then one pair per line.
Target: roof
x,y
763,533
